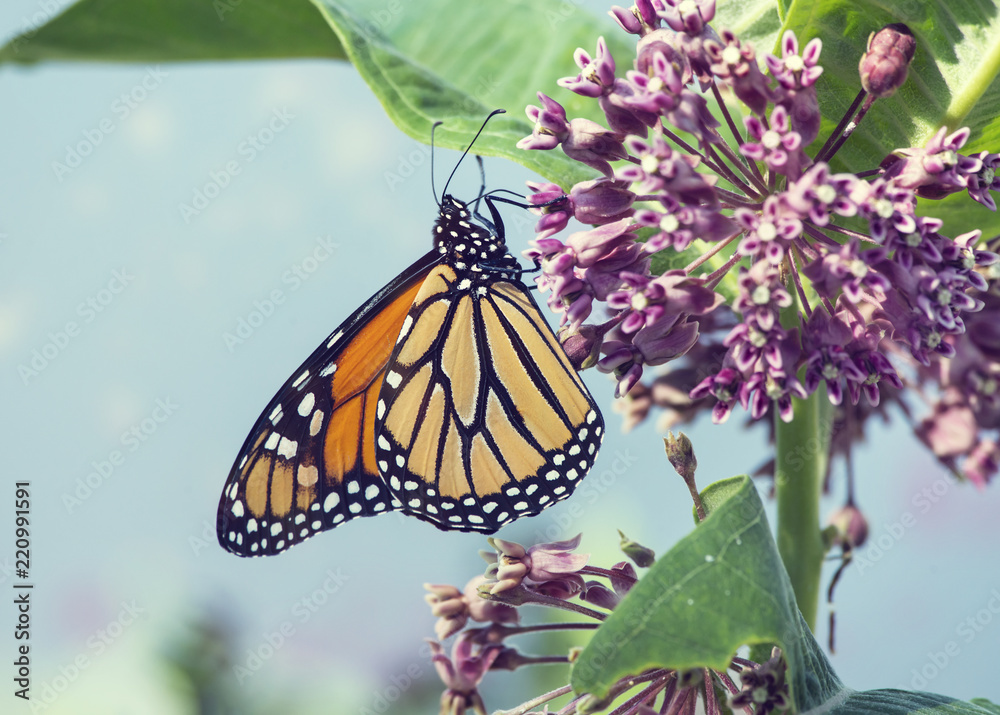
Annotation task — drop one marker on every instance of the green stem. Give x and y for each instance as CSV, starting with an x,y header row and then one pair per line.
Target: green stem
x,y
801,449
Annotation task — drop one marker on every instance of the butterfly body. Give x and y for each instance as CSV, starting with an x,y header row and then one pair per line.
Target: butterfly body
x,y
446,396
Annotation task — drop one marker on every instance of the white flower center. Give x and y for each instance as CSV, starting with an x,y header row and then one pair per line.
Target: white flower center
x,y
731,56
767,231
669,223
825,193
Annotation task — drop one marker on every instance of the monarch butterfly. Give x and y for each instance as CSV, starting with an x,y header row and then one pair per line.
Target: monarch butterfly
x,y
445,396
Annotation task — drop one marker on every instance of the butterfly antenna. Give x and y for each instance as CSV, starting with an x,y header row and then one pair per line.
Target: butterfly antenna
x,y
434,190
466,152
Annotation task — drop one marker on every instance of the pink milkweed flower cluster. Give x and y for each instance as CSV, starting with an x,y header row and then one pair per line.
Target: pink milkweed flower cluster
x,y
808,300
554,577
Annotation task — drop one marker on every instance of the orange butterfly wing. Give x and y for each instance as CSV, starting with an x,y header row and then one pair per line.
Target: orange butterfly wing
x,y
309,461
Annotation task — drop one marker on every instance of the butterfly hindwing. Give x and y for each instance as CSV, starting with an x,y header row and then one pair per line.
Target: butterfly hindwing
x,y
481,417
309,461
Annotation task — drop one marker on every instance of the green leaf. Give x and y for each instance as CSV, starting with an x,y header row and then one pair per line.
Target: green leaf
x,y
482,56
721,587
408,79
718,493
890,702
177,30
756,21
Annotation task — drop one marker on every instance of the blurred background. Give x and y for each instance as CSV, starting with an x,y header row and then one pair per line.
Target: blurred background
x,y
139,341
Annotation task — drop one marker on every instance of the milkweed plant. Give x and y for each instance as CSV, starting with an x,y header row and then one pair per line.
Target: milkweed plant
x,y
846,301
727,264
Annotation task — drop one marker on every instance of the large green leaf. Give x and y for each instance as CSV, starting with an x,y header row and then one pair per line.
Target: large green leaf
x,y
721,587
420,77
177,30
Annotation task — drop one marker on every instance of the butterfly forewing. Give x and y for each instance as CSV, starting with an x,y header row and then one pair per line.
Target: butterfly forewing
x,y
481,418
309,462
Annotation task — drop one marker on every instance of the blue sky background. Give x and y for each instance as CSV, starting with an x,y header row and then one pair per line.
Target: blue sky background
x,y
122,570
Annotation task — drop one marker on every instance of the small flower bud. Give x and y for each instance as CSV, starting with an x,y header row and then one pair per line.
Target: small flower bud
x,y
641,555
850,525
884,65
624,577
681,454
509,659
599,595
626,19
582,346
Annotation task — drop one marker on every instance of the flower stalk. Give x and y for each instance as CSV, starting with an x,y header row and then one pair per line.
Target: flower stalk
x,y
800,465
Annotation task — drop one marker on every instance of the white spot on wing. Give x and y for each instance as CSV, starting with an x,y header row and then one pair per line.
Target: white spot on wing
x,y
307,475
334,338
272,440
287,448
393,378
305,407
407,324
316,423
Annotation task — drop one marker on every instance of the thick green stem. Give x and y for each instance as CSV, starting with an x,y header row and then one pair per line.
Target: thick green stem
x,y
801,453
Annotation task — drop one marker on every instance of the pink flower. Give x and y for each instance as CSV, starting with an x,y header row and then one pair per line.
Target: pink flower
x,y
462,673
